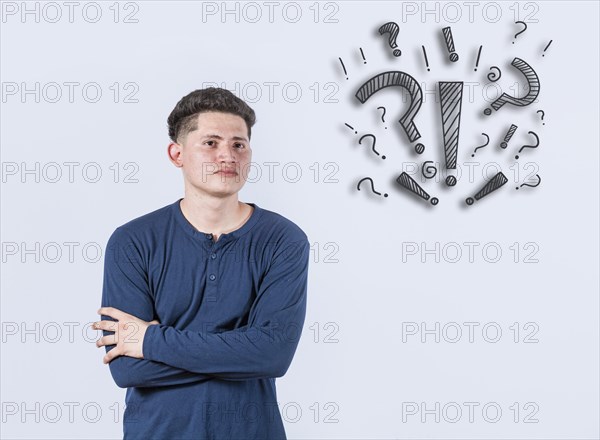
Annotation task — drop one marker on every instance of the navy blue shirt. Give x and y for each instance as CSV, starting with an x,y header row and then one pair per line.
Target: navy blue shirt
x,y
231,314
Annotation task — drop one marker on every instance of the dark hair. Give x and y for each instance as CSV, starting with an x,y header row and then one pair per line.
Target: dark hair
x,y
183,118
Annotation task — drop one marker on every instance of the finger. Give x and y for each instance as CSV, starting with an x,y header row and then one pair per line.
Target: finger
x,y
112,312
104,325
111,355
106,340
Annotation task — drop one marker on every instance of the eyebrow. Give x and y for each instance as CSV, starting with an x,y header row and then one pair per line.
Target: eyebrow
x,y
216,136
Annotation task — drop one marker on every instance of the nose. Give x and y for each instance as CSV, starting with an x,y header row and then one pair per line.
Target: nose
x,y
227,153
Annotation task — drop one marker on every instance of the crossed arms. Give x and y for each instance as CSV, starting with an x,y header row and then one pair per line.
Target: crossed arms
x,y
142,352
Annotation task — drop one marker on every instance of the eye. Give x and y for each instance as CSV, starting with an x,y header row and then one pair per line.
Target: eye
x,y
239,145
209,143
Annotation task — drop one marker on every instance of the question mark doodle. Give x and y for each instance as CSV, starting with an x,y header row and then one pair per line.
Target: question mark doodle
x,y
533,186
486,142
372,186
397,79
392,29
533,84
537,144
374,140
383,120
519,33
542,112
493,76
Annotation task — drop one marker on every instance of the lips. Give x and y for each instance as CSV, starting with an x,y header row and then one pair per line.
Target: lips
x,y
227,172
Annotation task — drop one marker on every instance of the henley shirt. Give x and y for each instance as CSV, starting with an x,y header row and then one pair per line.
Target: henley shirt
x,y
231,313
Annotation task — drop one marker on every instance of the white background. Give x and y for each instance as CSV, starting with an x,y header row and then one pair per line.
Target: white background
x,y
378,264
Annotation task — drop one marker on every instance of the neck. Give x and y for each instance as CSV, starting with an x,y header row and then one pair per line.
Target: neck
x,y
215,215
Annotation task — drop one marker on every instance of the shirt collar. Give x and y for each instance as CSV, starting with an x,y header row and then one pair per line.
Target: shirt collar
x,y
191,230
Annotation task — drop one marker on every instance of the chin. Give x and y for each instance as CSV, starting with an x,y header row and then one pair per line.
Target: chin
x,y
222,191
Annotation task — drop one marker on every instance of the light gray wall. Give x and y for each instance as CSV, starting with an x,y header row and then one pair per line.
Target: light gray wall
x,y
383,272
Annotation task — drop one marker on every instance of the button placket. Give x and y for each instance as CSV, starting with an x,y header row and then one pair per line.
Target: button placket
x,y
212,271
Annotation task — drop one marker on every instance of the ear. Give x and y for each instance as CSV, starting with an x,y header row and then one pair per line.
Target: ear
x,y
174,153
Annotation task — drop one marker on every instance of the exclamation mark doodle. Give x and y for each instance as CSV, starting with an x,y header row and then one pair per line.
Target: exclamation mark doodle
x,y
450,104
547,46
450,44
477,62
497,181
345,73
351,127
409,183
363,56
509,134
426,61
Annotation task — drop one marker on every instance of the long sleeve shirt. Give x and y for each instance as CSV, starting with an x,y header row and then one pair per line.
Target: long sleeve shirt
x,y
231,314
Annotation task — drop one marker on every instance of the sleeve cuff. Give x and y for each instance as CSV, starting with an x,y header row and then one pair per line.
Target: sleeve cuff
x,y
149,338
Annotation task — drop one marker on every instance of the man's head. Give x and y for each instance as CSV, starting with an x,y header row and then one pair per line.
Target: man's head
x,y
210,142
183,119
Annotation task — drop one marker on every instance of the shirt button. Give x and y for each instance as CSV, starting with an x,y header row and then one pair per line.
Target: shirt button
x,y
213,256
209,236
212,277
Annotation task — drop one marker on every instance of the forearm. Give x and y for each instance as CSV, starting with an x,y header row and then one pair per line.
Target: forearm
x,y
129,372
132,372
248,353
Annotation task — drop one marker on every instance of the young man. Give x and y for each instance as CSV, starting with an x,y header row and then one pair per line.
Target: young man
x,y
209,293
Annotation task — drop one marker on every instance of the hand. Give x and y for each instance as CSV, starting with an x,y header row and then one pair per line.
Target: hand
x,y
128,334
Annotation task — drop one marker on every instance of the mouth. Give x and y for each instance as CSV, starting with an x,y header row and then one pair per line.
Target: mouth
x,y
227,172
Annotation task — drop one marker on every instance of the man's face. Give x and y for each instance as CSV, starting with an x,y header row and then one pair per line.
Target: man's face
x,y
215,157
